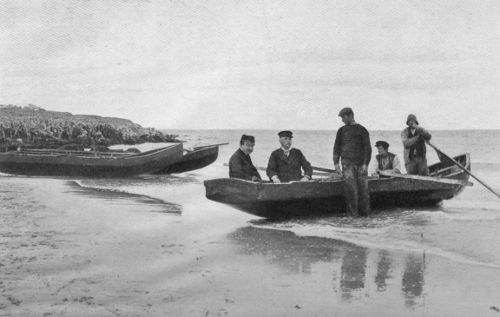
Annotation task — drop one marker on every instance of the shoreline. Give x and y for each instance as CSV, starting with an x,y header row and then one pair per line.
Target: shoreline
x,y
104,255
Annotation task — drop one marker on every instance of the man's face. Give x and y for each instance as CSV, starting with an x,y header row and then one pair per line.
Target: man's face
x,y
247,147
286,142
381,150
347,118
412,123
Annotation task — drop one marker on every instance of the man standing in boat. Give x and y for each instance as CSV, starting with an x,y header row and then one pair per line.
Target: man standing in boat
x,y
386,161
240,164
286,163
353,148
414,138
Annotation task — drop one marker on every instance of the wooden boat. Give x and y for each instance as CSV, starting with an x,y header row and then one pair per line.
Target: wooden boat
x,y
192,160
326,196
48,162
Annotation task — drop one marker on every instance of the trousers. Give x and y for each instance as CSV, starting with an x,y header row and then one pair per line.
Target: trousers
x,y
356,190
417,166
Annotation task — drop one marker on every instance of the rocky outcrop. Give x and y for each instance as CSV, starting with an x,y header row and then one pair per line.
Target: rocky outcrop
x,y
36,127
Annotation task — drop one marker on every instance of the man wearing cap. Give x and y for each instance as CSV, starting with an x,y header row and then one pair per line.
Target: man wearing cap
x,y
352,147
414,138
240,164
386,161
286,163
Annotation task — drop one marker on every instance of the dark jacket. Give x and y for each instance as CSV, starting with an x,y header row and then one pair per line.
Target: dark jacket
x,y
241,166
414,143
288,168
352,145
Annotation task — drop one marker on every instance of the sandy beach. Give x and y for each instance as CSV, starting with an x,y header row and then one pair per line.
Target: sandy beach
x,y
73,250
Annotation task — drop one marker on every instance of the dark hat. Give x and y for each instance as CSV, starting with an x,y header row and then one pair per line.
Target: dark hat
x,y
382,143
345,111
245,137
285,133
411,117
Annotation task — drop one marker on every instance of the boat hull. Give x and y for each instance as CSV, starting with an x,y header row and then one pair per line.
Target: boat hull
x,y
324,197
74,164
193,160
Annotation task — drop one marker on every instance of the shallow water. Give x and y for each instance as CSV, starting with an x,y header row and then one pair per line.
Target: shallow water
x,y
154,245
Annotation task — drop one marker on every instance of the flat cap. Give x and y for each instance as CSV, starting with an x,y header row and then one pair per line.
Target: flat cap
x,y
345,111
285,133
382,143
249,138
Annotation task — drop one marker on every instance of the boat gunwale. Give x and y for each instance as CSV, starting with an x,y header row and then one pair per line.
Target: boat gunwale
x,y
110,157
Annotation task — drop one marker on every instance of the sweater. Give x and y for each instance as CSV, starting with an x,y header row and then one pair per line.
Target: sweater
x,y
352,145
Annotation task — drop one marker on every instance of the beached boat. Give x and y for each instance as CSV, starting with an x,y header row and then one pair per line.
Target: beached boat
x,y
46,162
326,196
198,158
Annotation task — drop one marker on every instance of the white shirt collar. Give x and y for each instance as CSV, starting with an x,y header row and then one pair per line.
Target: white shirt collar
x,y
287,152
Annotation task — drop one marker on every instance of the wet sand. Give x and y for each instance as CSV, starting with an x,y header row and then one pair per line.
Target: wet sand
x,y
71,251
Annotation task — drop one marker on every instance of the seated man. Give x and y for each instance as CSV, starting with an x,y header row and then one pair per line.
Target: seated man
x,y
386,161
286,163
240,164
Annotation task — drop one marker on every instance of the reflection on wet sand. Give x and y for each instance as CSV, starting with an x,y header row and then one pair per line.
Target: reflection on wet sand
x,y
110,194
353,271
294,253
383,269
354,265
413,279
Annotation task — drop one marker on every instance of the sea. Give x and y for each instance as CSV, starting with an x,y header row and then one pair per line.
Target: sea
x,y
432,261
450,229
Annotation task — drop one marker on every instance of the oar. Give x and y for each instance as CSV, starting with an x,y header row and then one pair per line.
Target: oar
x,y
210,145
427,178
321,171
463,168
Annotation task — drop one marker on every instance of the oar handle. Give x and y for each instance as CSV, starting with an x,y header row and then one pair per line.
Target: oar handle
x,y
463,168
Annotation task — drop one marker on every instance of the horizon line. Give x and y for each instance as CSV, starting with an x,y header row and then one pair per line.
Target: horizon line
x,y
261,129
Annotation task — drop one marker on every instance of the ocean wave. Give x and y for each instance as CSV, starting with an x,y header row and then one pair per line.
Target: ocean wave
x,y
465,213
472,209
384,235
172,208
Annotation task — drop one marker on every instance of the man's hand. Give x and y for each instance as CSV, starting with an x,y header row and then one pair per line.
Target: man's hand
x,y
275,179
304,179
255,179
424,135
364,169
337,169
333,176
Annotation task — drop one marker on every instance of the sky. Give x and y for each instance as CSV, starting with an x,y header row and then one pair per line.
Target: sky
x,y
263,64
